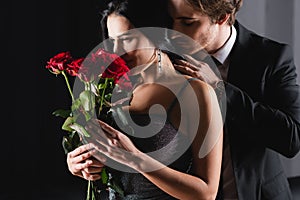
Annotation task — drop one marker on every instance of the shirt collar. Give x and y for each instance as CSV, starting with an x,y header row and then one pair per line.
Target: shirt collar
x,y
222,54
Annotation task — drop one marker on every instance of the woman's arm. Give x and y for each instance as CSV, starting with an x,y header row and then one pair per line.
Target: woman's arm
x,y
203,184
206,149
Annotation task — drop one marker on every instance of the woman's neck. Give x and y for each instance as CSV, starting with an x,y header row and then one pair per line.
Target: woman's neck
x,y
154,69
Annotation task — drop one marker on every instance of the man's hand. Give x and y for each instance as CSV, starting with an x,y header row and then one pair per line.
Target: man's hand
x,y
197,69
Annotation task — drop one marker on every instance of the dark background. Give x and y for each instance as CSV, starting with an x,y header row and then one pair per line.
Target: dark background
x,y
32,160
33,163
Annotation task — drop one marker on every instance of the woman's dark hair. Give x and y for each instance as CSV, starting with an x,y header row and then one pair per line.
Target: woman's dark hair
x,y
141,13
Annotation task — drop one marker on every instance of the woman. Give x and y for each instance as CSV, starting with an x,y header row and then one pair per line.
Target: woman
x,y
178,168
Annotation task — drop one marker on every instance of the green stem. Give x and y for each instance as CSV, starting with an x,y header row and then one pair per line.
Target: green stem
x,y
68,85
88,191
90,96
103,93
91,191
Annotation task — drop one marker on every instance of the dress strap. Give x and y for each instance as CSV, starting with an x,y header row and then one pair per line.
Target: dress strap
x,y
179,93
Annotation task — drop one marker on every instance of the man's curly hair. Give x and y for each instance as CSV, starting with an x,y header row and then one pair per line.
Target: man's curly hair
x,y
216,9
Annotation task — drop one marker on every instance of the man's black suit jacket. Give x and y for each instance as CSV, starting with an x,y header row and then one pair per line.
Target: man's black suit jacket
x,y
263,114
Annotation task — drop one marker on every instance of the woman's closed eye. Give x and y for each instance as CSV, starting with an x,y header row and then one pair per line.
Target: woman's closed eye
x,y
121,40
126,39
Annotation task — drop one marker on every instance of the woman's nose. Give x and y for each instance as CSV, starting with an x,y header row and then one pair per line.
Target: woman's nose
x,y
118,47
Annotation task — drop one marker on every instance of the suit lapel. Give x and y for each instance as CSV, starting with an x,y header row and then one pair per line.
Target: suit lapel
x,y
238,55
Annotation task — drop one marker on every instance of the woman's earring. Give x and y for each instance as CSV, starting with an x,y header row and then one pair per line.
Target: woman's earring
x,y
159,60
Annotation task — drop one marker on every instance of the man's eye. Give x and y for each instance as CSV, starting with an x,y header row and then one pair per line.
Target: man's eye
x,y
187,22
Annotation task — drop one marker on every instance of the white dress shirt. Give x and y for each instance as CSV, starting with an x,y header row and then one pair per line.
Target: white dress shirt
x,y
229,185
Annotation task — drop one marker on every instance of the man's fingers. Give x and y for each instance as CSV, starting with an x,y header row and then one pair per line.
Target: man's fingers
x,y
186,64
183,69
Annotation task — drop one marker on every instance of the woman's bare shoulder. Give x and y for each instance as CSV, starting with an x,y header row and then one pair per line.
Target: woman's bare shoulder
x,y
198,84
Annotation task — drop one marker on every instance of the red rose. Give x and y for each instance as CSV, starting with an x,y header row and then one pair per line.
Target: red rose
x,y
116,65
92,67
74,67
105,64
125,83
59,63
64,62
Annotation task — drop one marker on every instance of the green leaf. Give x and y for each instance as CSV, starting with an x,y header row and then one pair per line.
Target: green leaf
x,y
94,89
122,116
87,100
67,123
87,116
66,145
62,113
75,140
104,176
80,129
108,96
71,142
117,188
76,105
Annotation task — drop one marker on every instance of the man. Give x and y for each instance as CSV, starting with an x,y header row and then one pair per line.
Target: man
x,y
262,96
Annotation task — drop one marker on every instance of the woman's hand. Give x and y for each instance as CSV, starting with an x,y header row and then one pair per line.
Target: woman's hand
x,y
111,144
81,163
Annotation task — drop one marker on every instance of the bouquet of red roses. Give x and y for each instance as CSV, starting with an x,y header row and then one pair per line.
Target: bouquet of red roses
x,y
100,73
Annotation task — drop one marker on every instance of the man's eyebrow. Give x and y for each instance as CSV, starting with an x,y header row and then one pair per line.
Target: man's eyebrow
x,y
182,17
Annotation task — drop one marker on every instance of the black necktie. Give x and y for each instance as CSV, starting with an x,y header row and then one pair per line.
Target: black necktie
x,y
214,64
216,61
212,61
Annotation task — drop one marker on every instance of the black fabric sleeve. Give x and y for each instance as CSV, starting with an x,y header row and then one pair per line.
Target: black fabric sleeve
x,y
273,122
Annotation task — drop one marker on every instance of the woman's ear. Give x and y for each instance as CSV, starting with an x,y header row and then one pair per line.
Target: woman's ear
x,y
223,19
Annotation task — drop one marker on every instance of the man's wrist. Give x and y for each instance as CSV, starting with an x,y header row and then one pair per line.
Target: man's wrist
x,y
219,89
219,85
